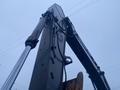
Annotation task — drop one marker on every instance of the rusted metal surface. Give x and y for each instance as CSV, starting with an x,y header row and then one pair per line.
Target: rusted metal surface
x,y
75,84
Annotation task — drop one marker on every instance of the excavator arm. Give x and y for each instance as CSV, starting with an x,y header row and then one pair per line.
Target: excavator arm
x,y
95,74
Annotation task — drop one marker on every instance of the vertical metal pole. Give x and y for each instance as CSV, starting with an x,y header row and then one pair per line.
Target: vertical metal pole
x,y
14,73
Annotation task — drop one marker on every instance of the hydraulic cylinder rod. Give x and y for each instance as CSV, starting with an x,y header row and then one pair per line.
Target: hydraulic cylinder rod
x,y
30,44
14,73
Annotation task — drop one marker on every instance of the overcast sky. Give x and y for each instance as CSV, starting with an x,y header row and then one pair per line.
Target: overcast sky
x,y
96,21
